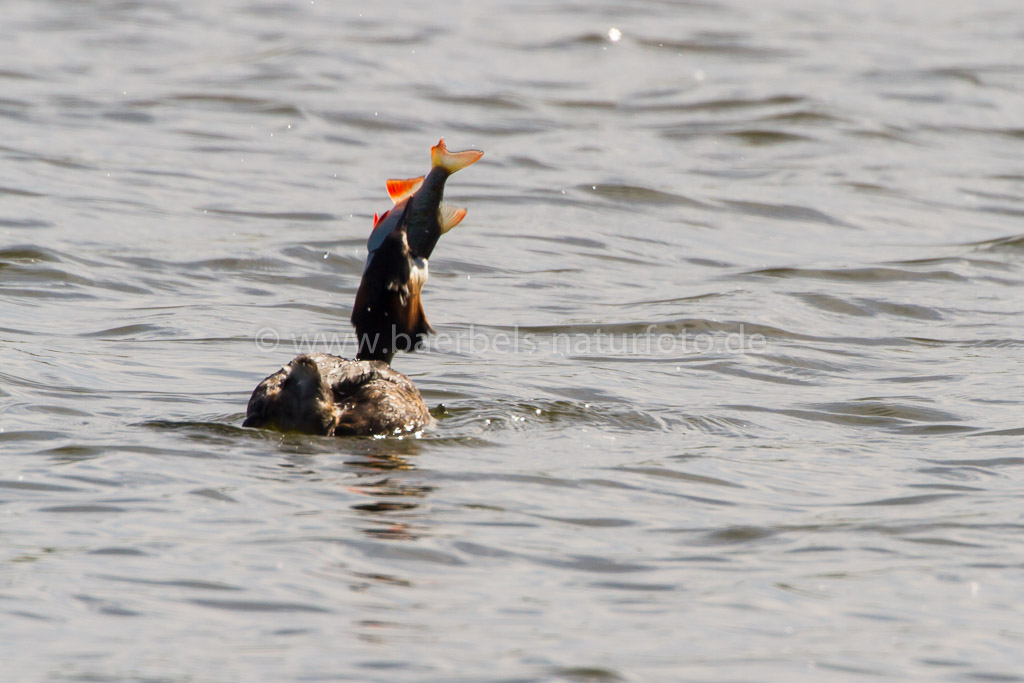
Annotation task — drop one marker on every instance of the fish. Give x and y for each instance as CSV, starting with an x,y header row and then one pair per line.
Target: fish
x,y
388,312
419,203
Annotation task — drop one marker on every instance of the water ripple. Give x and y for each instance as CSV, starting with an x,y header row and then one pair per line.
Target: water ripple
x,y
664,170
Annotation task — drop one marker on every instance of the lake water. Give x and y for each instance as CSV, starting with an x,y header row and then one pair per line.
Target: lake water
x,y
727,379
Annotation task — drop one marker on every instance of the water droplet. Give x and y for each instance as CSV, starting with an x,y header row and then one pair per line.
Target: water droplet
x,y
614,34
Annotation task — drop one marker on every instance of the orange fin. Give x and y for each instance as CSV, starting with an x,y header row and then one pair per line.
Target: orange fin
x,y
449,216
377,219
399,190
452,161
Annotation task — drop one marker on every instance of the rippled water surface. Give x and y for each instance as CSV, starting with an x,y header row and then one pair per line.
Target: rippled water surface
x,y
727,379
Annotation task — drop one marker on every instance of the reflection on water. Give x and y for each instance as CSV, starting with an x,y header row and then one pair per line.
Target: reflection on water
x,y
630,495
389,519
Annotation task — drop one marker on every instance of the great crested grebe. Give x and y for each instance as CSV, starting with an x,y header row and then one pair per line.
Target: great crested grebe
x,y
318,393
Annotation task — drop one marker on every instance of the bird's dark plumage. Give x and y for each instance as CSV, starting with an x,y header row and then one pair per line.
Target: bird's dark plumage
x,y
318,393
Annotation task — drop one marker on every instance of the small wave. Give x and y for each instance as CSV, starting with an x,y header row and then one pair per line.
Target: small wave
x,y
1010,244
663,472
864,274
490,102
922,499
863,307
468,417
229,102
134,331
790,212
39,273
29,254
270,215
10,74
889,414
36,486
634,194
955,262
768,137
260,606
723,44
17,192
24,222
374,121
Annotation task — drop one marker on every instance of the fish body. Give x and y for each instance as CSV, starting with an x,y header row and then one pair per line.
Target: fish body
x,y
388,313
420,203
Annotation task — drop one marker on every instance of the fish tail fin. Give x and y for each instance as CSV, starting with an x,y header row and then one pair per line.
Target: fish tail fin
x,y
453,161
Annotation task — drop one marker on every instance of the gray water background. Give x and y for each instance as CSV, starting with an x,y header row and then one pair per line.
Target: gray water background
x,y
835,187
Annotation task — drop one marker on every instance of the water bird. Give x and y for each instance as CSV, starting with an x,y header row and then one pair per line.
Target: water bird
x,y
318,393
